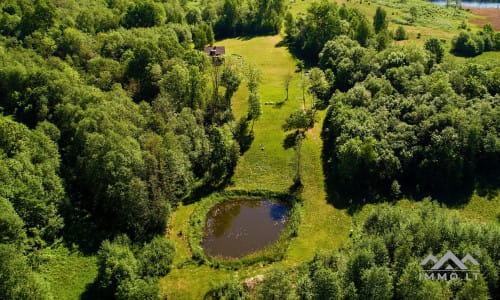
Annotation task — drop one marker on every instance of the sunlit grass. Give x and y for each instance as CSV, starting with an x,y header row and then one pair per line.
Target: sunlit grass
x,y
267,165
68,274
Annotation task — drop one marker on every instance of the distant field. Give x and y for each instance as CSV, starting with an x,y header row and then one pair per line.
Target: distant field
x,y
486,15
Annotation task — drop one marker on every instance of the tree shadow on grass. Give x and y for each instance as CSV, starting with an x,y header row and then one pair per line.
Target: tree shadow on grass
x,y
290,140
280,104
353,197
355,200
80,229
95,291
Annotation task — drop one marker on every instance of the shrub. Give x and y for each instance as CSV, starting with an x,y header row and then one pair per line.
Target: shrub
x,y
156,257
400,34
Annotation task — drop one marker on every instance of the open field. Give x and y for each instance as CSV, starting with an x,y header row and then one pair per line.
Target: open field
x,y
486,15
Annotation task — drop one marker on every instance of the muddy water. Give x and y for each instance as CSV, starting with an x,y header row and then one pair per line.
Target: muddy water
x,y
239,227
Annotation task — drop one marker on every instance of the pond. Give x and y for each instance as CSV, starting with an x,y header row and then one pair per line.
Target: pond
x,y
478,4
239,227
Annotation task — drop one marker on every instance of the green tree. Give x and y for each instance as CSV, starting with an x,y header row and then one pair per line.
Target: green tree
x,y
326,285
363,32
286,83
254,107
11,225
144,14
138,289
298,120
116,262
40,16
474,289
156,257
230,290
17,281
230,79
376,284
29,166
400,34
380,20
434,46
275,286
318,87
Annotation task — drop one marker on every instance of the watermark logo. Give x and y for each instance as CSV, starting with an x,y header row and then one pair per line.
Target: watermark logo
x,y
449,267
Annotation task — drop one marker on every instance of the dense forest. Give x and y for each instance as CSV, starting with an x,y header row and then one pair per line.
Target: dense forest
x,y
110,116
109,120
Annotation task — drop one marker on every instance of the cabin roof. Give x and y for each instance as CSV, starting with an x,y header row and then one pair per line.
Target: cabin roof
x,y
215,50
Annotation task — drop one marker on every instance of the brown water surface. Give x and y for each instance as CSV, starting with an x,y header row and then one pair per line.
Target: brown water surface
x,y
236,228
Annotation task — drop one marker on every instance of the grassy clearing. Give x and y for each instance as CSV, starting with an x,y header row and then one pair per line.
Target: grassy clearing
x,y
68,273
266,165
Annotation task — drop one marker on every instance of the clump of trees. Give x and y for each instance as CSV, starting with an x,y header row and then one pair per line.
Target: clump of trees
x,y
129,273
472,44
383,261
243,17
402,128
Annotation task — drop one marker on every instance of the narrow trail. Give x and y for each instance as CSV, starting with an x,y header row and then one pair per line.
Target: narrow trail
x,y
266,165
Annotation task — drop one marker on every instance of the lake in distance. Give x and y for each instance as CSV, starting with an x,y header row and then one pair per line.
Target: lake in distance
x,y
472,4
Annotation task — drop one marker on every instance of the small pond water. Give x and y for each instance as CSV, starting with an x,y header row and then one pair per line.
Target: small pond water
x,y
239,227
477,4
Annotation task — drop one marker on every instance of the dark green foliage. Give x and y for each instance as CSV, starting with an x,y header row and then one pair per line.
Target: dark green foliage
x,y
130,275
383,39
325,285
298,120
388,134
17,281
467,44
377,284
400,34
203,35
324,22
116,262
40,16
471,44
138,289
11,225
363,32
156,257
29,165
229,290
380,20
230,79
434,46
275,286
347,60
144,14
261,17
